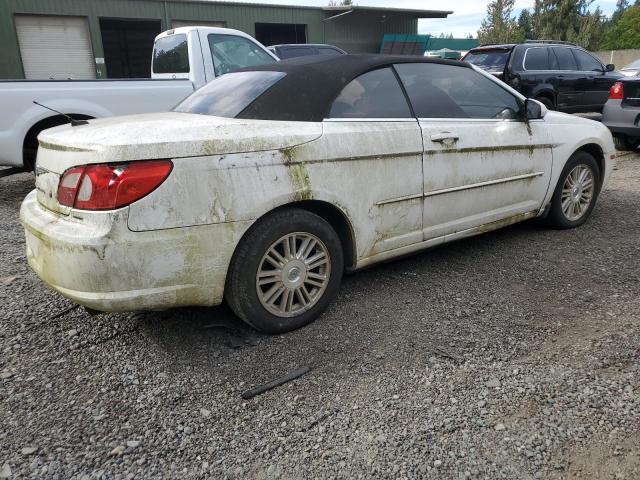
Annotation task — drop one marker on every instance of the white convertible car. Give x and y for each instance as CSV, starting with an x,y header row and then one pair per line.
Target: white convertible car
x,y
264,186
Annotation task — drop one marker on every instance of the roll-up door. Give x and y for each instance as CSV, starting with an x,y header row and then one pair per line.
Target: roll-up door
x,y
55,47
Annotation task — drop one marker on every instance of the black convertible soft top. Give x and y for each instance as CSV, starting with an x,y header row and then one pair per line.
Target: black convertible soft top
x,y
312,83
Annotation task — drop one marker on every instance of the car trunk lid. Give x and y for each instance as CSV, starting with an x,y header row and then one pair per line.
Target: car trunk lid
x,y
631,96
156,136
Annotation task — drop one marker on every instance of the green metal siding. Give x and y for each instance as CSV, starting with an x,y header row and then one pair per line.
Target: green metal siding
x,y
356,32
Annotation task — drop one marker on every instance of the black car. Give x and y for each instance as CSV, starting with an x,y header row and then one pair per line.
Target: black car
x,y
561,75
303,49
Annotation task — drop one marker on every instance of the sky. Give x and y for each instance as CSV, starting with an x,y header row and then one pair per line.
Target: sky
x,y
465,20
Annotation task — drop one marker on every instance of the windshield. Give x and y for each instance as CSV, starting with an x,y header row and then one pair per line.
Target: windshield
x,y
489,59
230,94
633,66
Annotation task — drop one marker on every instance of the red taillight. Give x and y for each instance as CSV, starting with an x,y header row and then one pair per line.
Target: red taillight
x,y
107,187
617,91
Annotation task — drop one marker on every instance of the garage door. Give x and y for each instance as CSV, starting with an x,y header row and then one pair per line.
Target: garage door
x,y
55,47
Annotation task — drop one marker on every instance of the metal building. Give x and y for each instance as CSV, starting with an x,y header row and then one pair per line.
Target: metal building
x,y
113,38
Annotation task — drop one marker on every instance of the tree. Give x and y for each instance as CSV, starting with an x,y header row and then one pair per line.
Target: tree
x,y
626,32
569,20
525,24
621,7
499,26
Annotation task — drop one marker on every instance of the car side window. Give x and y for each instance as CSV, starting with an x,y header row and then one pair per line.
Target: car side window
x,y
586,63
566,60
537,58
230,52
375,94
293,52
328,51
450,91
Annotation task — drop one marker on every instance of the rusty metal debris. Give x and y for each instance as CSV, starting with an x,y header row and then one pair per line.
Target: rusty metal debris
x,y
252,392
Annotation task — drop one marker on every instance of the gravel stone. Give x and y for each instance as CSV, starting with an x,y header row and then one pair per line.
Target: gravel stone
x,y
411,344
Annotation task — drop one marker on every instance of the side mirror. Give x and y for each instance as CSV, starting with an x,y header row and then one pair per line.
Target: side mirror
x,y
534,110
610,67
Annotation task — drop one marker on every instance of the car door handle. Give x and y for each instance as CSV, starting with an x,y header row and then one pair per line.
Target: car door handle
x,y
445,137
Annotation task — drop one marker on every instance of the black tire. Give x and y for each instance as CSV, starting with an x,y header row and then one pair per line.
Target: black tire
x,y
557,218
625,143
547,102
241,292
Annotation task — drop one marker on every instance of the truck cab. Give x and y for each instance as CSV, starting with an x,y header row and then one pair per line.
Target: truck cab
x,y
201,54
183,60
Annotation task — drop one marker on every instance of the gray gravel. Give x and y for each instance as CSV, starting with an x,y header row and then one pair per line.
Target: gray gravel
x,y
510,355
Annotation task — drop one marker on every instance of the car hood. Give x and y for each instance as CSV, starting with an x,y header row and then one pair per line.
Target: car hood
x,y
165,135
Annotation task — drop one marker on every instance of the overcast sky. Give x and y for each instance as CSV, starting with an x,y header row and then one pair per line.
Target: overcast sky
x,y
466,17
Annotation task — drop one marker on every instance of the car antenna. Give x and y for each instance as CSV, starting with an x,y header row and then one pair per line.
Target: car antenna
x,y
73,121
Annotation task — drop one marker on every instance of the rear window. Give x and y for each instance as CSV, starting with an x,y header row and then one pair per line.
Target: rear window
x,y
230,94
495,60
171,55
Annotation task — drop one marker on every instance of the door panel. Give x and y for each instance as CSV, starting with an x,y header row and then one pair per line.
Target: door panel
x,y
570,86
494,170
592,70
374,168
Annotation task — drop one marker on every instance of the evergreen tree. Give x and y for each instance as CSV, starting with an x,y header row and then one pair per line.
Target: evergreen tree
x,y
525,24
569,20
621,7
626,31
499,26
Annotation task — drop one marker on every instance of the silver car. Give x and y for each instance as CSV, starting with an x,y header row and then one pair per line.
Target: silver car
x,y
631,70
621,113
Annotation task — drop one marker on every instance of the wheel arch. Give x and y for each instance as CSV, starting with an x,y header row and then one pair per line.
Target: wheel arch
x,y
597,153
332,214
30,140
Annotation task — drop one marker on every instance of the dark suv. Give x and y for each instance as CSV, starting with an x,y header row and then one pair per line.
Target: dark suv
x,y
561,75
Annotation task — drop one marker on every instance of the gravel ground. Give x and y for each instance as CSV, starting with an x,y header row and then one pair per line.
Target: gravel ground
x,y
510,355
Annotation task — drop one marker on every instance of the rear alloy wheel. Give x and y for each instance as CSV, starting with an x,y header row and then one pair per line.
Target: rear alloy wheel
x,y
293,274
285,272
576,192
625,143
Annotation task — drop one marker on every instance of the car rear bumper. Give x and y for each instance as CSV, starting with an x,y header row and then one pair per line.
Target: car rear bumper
x,y
622,120
96,261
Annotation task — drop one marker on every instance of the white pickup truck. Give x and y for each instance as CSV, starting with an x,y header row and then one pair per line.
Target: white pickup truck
x,y
183,60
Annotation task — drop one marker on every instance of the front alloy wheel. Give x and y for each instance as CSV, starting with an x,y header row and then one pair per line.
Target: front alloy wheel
x,y
577,192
